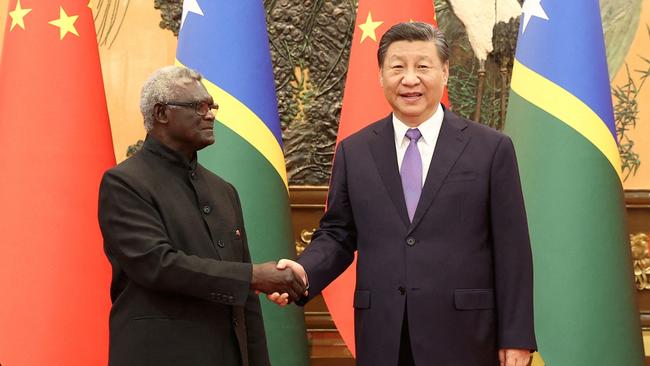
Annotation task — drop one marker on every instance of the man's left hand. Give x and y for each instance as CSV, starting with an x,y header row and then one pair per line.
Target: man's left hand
x,y
514,357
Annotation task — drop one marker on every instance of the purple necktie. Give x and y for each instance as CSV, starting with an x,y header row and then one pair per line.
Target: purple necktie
x,y
411,172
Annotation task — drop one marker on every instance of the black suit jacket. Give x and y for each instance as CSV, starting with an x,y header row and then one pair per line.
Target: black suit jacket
x,y
462,269
174,235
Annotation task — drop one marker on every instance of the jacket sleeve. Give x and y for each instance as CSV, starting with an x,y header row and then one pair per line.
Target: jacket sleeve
x,y
512,252
332,247
136,241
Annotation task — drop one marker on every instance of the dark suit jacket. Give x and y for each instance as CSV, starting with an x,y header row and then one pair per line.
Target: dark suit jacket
x,y
462,269
174,235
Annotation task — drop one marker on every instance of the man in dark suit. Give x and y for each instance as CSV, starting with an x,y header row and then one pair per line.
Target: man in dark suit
x,y
183,286
433,207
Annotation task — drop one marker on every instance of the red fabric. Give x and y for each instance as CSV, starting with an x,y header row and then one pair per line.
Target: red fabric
x,y
364,103
55,143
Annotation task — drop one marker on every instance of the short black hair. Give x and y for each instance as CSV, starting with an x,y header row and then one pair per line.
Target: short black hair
x,y
413,31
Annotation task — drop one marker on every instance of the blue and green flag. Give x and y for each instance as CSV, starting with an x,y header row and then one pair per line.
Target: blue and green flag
x,y
561,120
227,42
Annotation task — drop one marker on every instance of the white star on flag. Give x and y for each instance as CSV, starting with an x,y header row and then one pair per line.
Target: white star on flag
x,y
190,6
532,8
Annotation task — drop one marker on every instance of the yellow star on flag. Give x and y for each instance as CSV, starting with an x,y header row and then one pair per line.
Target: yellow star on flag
x,y
17,16
65,23
369,28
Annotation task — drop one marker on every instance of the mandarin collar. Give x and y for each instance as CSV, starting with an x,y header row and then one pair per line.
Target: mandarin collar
x,y
166,153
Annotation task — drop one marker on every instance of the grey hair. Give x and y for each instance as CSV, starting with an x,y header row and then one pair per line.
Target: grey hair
x,y
415,31
160,87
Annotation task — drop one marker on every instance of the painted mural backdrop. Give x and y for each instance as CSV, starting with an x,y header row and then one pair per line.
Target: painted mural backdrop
x,y
631,96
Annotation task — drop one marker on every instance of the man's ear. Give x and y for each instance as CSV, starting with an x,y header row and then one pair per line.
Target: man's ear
x,y
445,73
160,113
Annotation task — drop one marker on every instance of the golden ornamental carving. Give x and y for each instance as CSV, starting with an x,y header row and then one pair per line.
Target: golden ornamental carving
x,y
641,261
305,239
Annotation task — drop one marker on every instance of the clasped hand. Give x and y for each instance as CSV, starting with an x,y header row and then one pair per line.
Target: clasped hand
x,y
279,283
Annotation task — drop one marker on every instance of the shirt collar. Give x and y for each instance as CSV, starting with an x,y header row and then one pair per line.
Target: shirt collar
x,y
427,128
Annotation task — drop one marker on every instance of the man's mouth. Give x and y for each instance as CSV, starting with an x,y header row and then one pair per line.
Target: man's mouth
x,y
412,96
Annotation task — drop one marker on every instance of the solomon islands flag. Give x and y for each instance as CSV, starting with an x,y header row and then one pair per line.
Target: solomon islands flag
x,y
561,120
227,42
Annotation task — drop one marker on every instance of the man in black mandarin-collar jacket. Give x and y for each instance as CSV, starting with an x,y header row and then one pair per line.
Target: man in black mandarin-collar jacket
x,y
183,283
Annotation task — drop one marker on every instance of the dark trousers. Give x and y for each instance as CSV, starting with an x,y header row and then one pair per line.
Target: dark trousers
x,y
405,353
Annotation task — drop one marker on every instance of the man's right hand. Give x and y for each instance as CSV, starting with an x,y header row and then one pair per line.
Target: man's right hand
x,y
267,278
283,264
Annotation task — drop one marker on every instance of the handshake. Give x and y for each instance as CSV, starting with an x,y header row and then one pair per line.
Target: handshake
x,y
282,282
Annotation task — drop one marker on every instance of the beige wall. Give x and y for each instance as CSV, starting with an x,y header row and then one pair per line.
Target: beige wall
x,y
641,134
140,47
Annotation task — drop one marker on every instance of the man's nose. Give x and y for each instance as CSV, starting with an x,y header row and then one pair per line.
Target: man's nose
x,y
410,78
211,115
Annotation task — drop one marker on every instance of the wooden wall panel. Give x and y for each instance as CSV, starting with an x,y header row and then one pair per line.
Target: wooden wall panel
x,y
638,223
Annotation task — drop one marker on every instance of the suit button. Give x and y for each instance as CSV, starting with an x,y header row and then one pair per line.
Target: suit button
x,y
206,209
220,243
235,322
402,290
410,241
193,175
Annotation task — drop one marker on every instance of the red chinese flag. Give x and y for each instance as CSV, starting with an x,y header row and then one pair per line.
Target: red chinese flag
x,y
364,103
55,143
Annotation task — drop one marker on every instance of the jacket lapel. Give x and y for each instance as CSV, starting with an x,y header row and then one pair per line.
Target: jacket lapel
x,y
382,147
451,143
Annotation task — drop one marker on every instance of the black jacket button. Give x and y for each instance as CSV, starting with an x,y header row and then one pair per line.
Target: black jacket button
x,y
410,241
206,209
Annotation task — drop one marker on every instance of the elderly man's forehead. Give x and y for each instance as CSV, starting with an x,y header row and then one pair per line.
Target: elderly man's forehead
x,y
187,86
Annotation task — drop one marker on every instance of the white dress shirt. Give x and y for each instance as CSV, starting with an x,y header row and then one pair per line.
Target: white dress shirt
x,y
430,129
